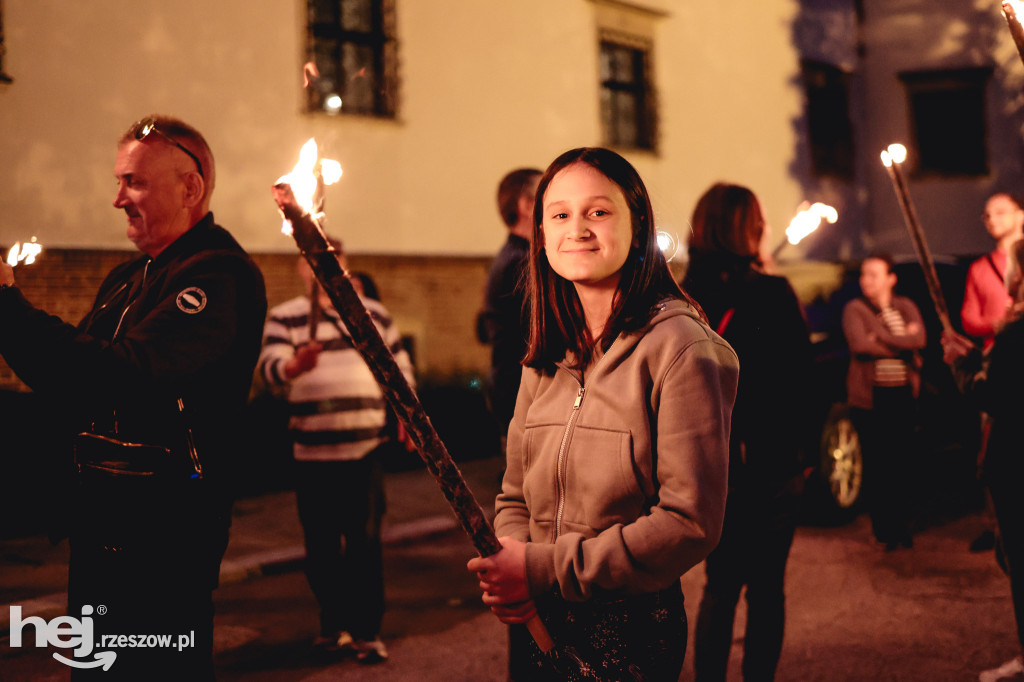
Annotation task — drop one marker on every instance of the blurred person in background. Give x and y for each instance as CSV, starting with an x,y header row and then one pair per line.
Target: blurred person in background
x,y
502,322
985,297
992,380
338,425
986,302
885,333
760,316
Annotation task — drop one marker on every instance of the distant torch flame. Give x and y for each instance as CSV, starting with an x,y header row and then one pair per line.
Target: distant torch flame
x,y
307,179
668,243
808,220
24,253
896,153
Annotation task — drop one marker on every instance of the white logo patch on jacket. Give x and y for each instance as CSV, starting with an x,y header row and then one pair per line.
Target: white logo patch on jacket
x,y
192,300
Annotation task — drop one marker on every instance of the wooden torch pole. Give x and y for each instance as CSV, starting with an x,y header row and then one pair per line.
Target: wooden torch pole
x,y
396,389
931,277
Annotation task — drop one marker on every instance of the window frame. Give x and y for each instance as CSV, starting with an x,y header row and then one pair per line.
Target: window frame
x,y
4,78
640,86
829,133
928,141
381,38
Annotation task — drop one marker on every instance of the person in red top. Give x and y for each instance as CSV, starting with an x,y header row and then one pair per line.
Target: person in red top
x,y
985,298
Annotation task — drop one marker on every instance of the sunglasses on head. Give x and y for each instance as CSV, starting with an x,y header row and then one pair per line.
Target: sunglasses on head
x,y
147,127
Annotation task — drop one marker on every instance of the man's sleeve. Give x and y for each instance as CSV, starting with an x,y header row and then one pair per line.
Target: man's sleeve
x,y
193,326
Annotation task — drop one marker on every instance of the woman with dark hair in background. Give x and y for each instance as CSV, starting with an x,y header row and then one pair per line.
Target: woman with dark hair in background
x,y
760,316
617,453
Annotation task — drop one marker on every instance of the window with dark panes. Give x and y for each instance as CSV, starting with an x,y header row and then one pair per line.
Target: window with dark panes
x,y
947,114
4,78
628,113
353,45
827,89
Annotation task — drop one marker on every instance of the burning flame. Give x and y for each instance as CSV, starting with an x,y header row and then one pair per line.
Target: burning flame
x,y
24,253
330,170
307,179
896,153
808,220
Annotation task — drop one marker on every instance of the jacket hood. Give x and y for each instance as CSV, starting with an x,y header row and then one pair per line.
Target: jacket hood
x,y
665,310
672,307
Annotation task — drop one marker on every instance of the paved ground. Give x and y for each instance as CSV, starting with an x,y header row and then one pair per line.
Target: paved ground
x,y
936,612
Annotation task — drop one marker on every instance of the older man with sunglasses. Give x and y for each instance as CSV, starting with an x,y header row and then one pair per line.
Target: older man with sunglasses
x,y
152,381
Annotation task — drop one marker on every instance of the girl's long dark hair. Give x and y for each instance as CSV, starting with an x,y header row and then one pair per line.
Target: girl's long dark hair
x,y
556,320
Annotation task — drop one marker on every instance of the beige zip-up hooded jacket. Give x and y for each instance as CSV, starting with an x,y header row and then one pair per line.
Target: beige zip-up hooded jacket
x,y
617,476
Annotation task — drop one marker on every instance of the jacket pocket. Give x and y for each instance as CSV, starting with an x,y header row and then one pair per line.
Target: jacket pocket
x,y
601,488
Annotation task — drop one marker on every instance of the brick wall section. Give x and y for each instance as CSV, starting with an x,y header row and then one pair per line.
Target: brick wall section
x,y
434,299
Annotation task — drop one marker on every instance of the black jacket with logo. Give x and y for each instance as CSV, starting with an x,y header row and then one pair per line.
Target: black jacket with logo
x,y
186,325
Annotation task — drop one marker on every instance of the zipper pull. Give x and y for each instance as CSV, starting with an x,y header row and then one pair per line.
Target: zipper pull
x,y
579,399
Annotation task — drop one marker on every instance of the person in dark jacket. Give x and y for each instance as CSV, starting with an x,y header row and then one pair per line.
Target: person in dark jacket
x,y
501,322
992,380
760,316
163,360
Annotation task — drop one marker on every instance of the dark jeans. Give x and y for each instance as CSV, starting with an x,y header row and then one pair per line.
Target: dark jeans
x,y
887,440
340,507
1009,507
753,551
147,562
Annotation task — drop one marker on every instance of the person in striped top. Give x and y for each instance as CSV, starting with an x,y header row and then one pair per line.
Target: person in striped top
x,y
884,332
338,422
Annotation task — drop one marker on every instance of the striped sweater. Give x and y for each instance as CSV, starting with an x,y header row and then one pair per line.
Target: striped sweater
x,y
337,408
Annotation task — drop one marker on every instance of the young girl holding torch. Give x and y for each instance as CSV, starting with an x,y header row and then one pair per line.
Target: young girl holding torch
x,y
618,451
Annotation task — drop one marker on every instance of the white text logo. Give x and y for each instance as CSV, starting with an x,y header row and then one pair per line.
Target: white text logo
x,y
67,632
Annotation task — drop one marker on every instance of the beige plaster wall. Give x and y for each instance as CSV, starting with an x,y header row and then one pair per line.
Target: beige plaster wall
x,y
918,35
486,85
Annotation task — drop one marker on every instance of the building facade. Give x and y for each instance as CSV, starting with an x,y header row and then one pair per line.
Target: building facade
x,y
426,104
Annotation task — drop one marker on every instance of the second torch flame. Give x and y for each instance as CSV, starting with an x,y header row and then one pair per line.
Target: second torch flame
x,y
24,253
895,153
808,220
307,179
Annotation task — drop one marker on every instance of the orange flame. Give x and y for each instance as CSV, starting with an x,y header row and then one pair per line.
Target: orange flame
x,y
894,153
307,179
808,220
24,253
